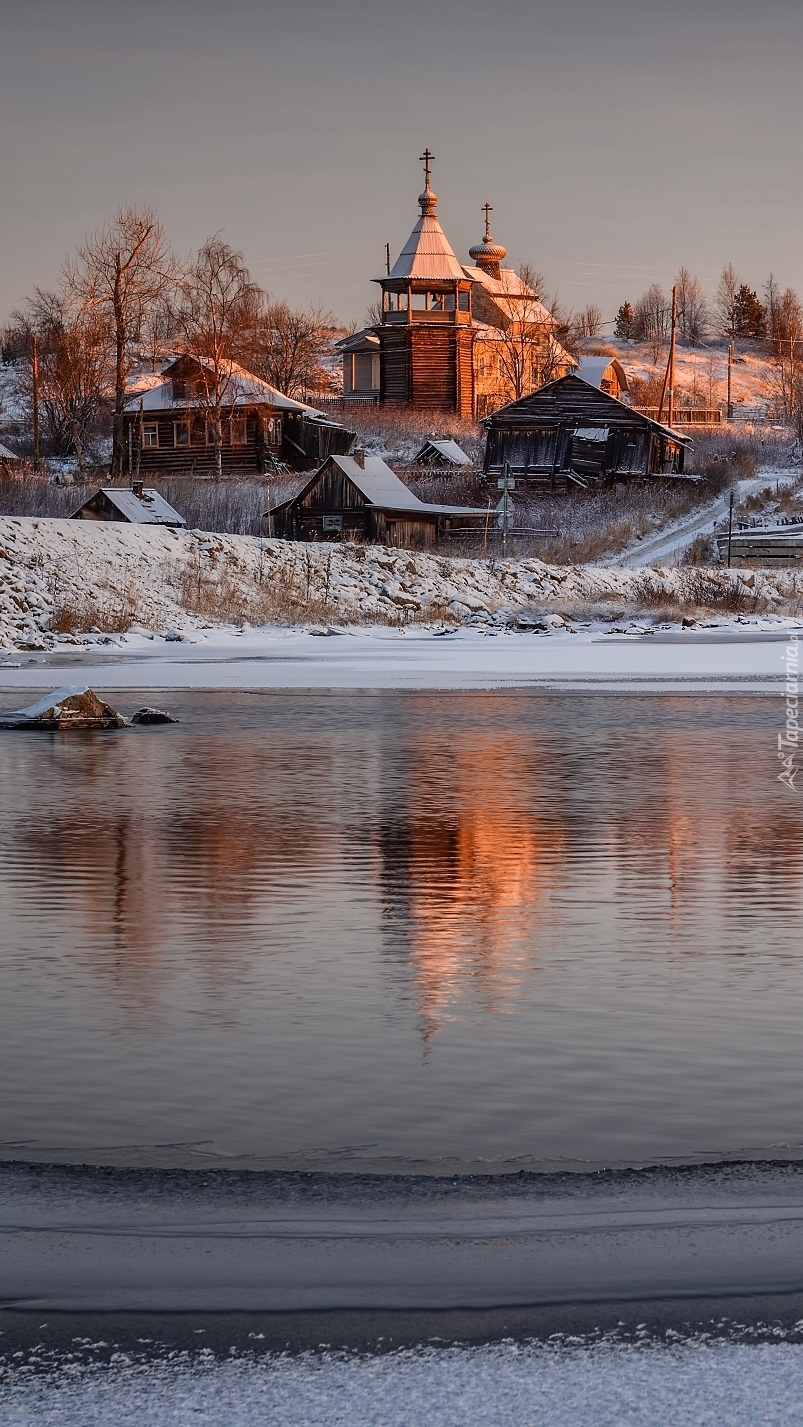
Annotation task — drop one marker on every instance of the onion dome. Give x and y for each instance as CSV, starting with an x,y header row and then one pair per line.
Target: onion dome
x,y
488,255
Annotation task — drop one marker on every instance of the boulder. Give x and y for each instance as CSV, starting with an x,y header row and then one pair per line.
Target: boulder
x,y
153,716
65,708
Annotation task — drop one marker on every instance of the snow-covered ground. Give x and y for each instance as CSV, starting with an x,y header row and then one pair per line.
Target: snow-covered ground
x,y
694,1384
395,619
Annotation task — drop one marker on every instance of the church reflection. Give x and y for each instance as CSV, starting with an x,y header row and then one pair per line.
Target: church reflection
x,y
480,854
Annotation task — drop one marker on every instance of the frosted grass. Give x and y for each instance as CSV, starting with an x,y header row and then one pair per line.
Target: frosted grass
x,y
699,1382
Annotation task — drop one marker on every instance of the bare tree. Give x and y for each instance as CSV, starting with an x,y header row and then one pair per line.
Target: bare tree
x,y
692,307
73,371
589,322
652,317
725,304
529,340
219,308
117,275
289,347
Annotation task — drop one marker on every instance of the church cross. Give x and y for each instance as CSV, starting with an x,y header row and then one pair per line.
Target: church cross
x,y
487,210
426,160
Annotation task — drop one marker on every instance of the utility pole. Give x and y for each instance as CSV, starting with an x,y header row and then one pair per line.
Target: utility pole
x,y
730,526
668,387
505,484
387,259
35,392
730,370
671,392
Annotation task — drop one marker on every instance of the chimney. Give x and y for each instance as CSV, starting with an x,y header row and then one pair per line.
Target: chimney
x,y
358,455
138,488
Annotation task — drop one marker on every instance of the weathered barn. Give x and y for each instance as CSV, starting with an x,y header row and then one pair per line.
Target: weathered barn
x,y
133,505
361,497
169,427
571,433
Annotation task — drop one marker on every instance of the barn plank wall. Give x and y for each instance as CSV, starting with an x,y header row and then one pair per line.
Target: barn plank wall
x,y
536,436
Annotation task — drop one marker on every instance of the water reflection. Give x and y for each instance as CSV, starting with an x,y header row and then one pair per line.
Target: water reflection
x,y
238,931
478,849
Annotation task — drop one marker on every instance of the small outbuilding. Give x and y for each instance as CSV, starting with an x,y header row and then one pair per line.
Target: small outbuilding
x,y
6,455
606,374
361,497
438,452
133,505
571,433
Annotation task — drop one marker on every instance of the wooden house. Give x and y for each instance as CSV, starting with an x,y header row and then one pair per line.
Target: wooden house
x,y
572,433
360,497
361,379
169,428
133,505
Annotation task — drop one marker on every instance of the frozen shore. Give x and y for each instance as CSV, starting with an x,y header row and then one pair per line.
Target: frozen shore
x,y
361,617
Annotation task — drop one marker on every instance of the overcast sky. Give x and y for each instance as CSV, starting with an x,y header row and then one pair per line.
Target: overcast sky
x,y
616,139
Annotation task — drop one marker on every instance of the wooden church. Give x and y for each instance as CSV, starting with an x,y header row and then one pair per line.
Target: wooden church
x,y
449,332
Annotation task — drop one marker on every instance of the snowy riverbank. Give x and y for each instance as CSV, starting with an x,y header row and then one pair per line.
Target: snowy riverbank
x,y
149,607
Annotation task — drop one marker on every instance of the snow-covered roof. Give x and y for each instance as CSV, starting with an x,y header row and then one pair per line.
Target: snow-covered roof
x,y
366,341
449,450
148,509
381,487
242,389
6,455
508,287
594,369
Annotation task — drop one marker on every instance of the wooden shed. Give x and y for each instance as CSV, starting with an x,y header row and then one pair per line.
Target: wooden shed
x,y
441,452
361,497
571,433
133,505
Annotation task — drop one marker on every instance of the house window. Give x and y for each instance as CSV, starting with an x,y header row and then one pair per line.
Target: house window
x,y
181,433
273,431
239,431
210,433
150,436
333,522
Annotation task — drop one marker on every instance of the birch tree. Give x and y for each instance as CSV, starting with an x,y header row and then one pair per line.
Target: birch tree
x,y
115,277
219,308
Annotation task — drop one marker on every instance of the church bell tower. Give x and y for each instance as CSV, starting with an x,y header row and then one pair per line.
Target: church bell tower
x,y
426,333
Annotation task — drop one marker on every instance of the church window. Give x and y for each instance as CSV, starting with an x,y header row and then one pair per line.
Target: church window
x,y
463,301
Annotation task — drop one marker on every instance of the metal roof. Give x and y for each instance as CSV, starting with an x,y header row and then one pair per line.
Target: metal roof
x,y
149,509
593,369
6,455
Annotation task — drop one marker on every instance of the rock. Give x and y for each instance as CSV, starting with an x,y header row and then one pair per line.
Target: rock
x,y
687,623
174,636
65,708
153,716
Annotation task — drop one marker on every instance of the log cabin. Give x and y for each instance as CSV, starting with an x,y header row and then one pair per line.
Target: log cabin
x,y
168,427
571,433
360,497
